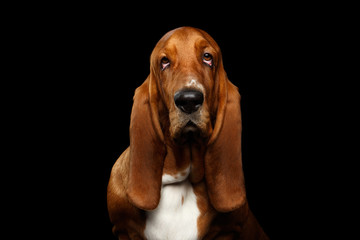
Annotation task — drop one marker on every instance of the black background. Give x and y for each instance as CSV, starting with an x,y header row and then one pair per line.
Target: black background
x,y
89,61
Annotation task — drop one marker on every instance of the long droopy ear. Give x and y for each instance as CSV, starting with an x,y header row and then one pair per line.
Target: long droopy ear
x,y
223,164
147,149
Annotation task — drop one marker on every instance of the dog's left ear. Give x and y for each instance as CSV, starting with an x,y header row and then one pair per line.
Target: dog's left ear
x,y
223,164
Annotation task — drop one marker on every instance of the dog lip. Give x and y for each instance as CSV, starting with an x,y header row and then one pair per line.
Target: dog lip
x,y
189,133
190,130
190,126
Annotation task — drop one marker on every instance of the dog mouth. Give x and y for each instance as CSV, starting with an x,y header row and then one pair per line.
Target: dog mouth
x,y
190,128
189,133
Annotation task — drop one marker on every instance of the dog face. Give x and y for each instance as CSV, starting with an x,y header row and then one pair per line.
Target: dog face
x,y
185,62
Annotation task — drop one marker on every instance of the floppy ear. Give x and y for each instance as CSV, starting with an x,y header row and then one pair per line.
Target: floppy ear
x,y
147,150
223,165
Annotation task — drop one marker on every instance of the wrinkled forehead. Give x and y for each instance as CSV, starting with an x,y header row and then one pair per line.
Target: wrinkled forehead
x,y
184,39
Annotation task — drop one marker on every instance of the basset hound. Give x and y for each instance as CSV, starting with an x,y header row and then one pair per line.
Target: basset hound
x,y
181,177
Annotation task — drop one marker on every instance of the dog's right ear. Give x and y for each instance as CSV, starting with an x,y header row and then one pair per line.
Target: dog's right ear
x,y
147,149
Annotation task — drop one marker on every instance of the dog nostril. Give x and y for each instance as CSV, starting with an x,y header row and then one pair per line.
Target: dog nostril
x,y
189,100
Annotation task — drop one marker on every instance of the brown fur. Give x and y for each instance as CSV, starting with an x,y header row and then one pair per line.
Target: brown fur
x,y
155,129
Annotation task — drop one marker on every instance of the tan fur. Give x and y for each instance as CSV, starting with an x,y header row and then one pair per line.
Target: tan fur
x,y
155,148
127,219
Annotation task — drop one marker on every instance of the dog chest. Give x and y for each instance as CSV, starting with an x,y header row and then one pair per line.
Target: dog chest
x,y
176,215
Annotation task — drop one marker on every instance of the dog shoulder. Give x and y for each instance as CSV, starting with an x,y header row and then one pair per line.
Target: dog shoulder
x,y
121,212
116,190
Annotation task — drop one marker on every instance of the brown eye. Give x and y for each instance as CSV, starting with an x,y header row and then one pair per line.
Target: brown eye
x,y
165,62
208,59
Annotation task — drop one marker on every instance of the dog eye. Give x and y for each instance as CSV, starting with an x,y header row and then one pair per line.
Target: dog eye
x,y
208,59
165,62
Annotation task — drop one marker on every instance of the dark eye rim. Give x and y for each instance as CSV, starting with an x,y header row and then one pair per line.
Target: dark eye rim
x,y
207,56
208,59
164,60
164,63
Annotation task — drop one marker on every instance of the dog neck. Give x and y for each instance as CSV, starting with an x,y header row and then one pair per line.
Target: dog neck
x,y
185,160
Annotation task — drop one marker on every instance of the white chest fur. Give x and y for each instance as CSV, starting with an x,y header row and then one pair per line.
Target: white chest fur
x,y
176,216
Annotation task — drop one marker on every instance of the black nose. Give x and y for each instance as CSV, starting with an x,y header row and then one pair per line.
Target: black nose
x,y
188,100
